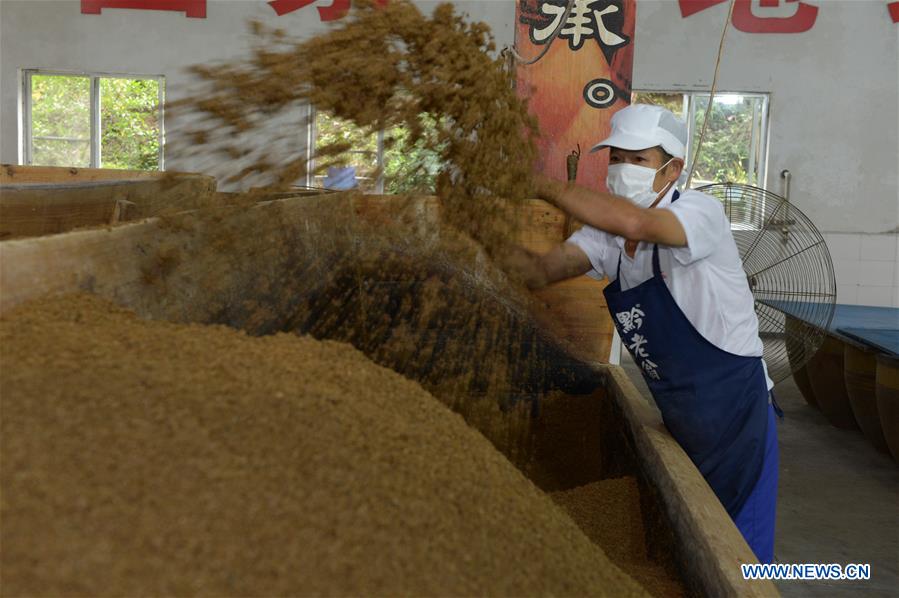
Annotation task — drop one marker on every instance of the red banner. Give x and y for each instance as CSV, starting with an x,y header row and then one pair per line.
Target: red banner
x,y
337,10
763,16
584,78
191,8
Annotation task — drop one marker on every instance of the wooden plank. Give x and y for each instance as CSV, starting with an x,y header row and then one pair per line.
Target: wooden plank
x,y
39,208
11,173
35,210
711,548
117,262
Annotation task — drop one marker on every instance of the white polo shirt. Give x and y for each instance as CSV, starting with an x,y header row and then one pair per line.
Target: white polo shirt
x,y
706,277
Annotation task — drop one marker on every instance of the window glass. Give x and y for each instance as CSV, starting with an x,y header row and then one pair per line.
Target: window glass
x,y
405,166
60,120
129,123
411,167
731,151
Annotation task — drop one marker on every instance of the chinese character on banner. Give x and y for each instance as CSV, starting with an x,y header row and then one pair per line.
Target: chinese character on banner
x,y
599,20
762,16
582,79
191,8
337,10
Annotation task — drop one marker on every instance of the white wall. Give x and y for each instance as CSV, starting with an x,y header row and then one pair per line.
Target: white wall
x,y
834,93
834,119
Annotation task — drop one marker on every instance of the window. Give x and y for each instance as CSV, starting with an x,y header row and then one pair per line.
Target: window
x,y
366,153
384,162
735,146
89,120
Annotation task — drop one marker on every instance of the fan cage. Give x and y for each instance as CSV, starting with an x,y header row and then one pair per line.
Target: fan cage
x,y
789,271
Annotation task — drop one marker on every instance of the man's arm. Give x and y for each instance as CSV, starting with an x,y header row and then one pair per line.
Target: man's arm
x,y
563,261
613,214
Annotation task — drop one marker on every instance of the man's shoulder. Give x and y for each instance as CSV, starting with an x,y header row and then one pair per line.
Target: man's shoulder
x,y
692,196
696,204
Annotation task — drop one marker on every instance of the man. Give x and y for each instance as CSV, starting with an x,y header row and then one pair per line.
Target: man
x,y
682,306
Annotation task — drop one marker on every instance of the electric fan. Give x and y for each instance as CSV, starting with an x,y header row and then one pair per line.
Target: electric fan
x,y
789,270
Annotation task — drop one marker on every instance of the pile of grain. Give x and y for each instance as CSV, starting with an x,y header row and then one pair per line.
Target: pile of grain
x,y
609,513
413,296
148,458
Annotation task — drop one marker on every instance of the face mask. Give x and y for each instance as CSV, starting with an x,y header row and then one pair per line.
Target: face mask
x,y
633,182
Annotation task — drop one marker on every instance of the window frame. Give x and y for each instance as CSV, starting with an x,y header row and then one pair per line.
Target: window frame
x,y
94,77
689,115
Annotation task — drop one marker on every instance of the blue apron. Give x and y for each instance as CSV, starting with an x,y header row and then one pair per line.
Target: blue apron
x,y
714,403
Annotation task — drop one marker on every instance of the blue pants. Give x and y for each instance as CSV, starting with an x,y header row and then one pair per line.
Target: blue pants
x,y
756,519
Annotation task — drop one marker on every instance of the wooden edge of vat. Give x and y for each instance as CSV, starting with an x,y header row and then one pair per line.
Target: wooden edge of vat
x,y
712,547
17,173
102,257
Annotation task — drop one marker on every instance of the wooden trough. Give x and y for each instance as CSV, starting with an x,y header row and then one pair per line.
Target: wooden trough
x,y
132,264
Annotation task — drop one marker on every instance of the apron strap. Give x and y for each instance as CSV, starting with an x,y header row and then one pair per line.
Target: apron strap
x,y
656,269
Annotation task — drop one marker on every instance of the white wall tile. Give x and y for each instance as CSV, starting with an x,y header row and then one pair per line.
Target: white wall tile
x,y
877,296
895,296
878,247
846,271
876,274
847,294
844,246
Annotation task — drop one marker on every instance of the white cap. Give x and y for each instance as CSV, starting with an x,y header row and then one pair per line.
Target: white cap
x,y
642,126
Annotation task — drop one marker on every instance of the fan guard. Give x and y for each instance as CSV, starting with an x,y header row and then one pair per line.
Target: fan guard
x,y
790,273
